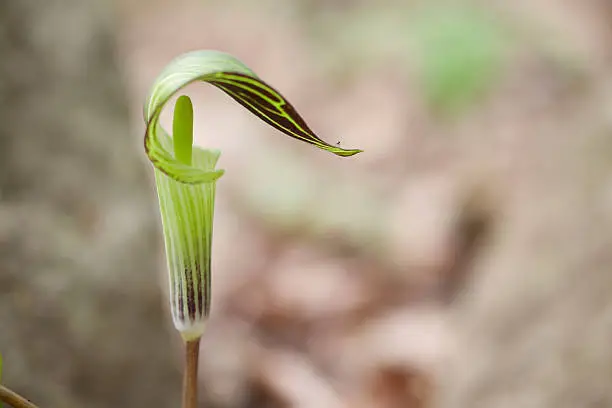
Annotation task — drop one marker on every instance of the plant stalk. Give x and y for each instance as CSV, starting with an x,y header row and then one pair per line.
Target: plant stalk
x,y
190,377
14,400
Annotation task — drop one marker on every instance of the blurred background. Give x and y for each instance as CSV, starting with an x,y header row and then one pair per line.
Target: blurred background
x,y
338,282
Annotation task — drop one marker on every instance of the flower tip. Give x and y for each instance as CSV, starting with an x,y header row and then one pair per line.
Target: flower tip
x,y
347,152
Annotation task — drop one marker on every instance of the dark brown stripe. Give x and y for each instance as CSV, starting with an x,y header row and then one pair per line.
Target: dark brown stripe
x,y
259,101
265,89
208,292
180,297
200,287
278,122
189,291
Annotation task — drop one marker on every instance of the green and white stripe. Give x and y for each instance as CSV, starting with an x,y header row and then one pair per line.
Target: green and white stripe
x,y
187,212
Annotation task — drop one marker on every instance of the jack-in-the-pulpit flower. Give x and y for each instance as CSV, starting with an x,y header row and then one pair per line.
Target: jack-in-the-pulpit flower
x,y
185,175
187,218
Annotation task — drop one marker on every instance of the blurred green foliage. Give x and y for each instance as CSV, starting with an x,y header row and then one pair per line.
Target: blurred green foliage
x,y
460,52
283,190
457,52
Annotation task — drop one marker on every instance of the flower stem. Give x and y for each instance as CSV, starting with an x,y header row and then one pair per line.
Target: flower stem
x,y
190,378
13,399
